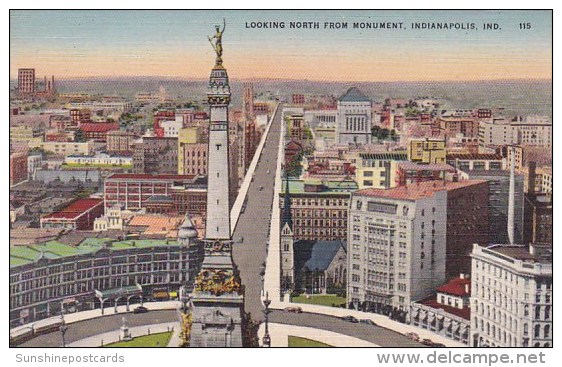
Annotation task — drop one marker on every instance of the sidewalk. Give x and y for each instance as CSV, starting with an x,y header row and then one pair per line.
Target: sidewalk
x,y
280,336
92,314
113,336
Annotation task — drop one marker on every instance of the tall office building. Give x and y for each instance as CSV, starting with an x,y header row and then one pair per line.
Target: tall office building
x,y
26,81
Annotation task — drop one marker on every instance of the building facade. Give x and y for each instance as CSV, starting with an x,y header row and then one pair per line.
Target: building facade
x,y
79,215
119,141
498,210
446,313
45,279
18,167
400,241
378,170
132,191
26,81
427,151
511,299
155,155
354,117
319,209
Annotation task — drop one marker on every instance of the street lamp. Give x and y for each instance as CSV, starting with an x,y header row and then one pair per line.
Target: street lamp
x,y
266,340
62,329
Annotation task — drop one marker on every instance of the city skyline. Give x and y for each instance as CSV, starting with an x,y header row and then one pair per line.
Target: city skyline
x,y
139,43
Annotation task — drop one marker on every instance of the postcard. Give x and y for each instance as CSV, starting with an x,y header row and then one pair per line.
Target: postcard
x,y
291,178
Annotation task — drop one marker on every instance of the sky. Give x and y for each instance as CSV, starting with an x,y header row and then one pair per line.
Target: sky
x,y
113,43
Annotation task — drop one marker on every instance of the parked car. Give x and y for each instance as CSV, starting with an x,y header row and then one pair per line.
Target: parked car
x,y
140,309
427,342
350,318
413,336
367,322
438,345
293,309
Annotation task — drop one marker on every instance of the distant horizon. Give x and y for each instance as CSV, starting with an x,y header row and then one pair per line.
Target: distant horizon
x,y
111,43
39,77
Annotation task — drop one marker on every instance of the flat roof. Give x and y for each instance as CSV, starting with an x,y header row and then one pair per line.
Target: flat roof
x,y
521,252
148,177
331,187
418,190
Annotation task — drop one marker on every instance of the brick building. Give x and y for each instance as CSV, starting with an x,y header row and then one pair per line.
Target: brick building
x,y
154,155
18,167
133,191
319,209
98,130
119,141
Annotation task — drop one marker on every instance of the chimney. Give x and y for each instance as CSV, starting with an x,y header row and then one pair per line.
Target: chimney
x,y
532,249
511,202
467,288
461,276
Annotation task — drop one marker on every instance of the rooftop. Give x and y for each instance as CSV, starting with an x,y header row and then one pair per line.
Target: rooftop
x,y
479,156
460,312
75,209
149,177
411,166
354,95
156,224
21,255
456,287
521,252
98,126
395,156
418,190
316,255
329,187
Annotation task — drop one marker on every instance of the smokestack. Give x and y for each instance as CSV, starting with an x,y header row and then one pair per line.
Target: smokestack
x,y
511,202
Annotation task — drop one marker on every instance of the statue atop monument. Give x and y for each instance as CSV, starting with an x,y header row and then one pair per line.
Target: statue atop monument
x,y
217,44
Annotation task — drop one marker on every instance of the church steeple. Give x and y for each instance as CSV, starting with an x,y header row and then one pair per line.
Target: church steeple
x,y
287,215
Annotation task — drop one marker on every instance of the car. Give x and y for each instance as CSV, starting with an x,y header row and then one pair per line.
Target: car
x,y
293,309
438,345
350,318
413,336
427,342
261,188
140,309
367,322
268,172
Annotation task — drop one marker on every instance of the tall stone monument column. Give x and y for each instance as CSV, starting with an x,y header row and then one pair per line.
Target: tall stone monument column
x,y
217,298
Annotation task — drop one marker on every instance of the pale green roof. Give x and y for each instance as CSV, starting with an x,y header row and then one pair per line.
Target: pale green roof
x,y
21,255
330,187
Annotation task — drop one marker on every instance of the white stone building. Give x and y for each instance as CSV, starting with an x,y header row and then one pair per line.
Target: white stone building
x,y
111,220
397,243
353,119
172,127
533,130
511,299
